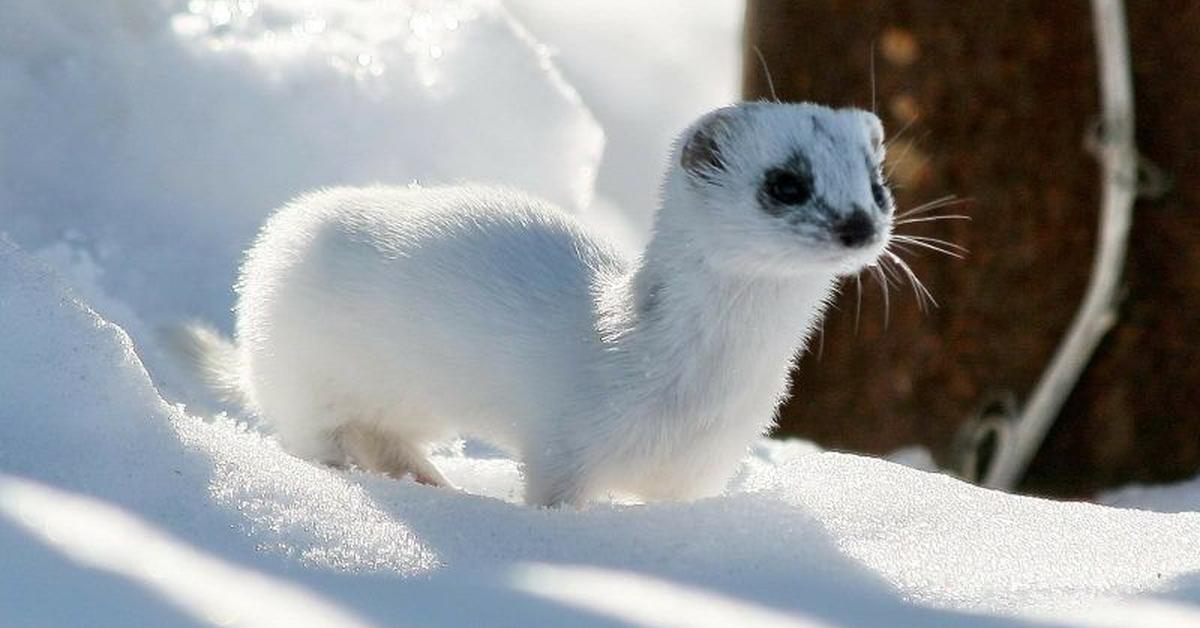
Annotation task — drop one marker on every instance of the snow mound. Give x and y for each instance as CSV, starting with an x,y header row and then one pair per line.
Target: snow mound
x,y
142,144
688,52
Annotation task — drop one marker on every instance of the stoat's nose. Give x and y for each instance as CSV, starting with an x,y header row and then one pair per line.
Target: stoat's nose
x,y
856,229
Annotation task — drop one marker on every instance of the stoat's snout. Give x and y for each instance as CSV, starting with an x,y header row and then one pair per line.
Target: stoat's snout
x,y
856,229
789,188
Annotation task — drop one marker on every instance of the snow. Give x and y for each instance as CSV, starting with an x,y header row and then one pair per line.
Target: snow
x,y
140,147
681,62
142,144
1178,497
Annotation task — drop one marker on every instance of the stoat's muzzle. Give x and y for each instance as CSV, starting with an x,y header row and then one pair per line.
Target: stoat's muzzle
x,y
856,229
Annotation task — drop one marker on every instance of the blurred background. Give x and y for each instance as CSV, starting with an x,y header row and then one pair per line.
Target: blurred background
x,y
995,101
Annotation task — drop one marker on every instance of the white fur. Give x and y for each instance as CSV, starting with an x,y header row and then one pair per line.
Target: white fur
x,y
413,315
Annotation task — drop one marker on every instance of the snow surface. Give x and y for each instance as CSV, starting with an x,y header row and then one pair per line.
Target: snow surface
x,y
140,147
1178,497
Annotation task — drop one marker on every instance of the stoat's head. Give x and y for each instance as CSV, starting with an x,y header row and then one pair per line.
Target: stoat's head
x,y
785,188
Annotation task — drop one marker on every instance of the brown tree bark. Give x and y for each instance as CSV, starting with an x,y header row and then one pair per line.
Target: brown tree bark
x,y
991,102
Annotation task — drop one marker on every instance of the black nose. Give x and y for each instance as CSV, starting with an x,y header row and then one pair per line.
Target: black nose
x,y
855,229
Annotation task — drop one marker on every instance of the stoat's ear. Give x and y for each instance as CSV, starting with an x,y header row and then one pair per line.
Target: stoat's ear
x,y
874,134
701,155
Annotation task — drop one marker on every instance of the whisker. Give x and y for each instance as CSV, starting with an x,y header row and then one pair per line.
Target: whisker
x,y
904,154
924,296
886,263
889,271
946,243
857,301
926,245
873,109
937,203
821,338
884,287
767,73
908,221
903,248
899,134
925,208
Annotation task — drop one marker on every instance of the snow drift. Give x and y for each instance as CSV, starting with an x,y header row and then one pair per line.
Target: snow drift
x,y
142,144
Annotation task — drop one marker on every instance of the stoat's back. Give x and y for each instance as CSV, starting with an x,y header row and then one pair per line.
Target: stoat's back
x,y
477,298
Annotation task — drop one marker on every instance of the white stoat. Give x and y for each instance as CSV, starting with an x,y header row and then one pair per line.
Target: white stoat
x,y
374,321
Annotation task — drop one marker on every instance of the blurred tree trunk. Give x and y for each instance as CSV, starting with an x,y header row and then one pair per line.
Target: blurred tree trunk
x,y
1002,94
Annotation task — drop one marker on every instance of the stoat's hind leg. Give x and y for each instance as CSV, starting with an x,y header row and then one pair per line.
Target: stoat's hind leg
x,y
377,450
555,483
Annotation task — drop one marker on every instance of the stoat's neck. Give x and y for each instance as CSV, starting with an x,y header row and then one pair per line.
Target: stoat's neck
x,y
704,342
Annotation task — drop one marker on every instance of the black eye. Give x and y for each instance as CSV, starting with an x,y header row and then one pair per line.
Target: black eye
x,y
880,194
787,187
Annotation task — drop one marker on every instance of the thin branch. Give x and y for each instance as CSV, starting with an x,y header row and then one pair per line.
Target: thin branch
x,y
1098,311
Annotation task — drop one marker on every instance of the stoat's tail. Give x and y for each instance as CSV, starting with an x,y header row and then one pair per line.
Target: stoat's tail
x,y
211,357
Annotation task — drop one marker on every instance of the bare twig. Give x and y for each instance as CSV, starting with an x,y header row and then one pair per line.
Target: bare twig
x,y
1098,311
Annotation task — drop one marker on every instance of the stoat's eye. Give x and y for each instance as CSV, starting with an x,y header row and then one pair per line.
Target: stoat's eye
x,y
880,194
787,188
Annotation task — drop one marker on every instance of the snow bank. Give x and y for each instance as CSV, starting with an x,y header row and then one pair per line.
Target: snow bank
x,y
647,70
78,412
143,143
